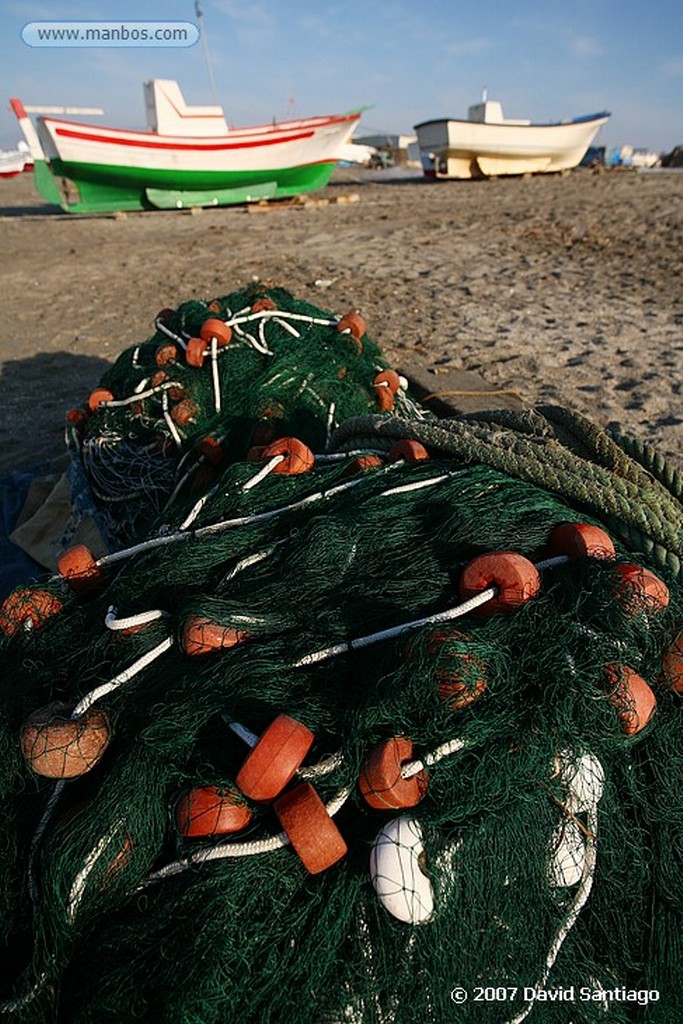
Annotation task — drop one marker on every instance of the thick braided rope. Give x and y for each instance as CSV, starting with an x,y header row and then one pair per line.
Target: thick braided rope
x,y
653,461
525,445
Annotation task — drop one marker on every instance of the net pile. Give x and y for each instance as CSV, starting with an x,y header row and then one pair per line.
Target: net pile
x,y
216,379
346,731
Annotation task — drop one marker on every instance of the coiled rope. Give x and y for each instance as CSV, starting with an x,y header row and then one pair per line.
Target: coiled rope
x,y
623,482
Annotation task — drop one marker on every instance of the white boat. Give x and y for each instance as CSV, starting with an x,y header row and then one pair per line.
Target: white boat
x,y
14,161
187,157
487,144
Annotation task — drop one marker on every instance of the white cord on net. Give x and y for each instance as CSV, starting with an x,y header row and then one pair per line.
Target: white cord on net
x,y
197,507
137,396
122,678
411,768
214,375
263,473
245,562
169,422
131,621
580,900
78,888
232,849
392,631
161,326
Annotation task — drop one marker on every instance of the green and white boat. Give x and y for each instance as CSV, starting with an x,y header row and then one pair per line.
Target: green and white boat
x,y
188,156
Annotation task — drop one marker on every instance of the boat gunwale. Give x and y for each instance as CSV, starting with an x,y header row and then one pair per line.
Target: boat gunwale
x,y
581,120
232,134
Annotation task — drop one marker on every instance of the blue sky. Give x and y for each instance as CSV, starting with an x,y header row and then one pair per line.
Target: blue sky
x,y
411,60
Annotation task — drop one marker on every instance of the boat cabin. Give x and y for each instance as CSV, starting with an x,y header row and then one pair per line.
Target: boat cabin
x,y
491,112
168,113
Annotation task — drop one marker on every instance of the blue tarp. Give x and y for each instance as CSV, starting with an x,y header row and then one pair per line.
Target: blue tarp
x,y
15,565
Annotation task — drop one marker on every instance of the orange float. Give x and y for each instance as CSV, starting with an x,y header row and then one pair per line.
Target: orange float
x,y
60,747
311,830
27,608
194,352
362,464
165,354
632,697
215,330
409,451
580,540
639,589
211,811
354,323
98,397
274,759
79,568
386,385
514,577
263,304
184,412
381,782
212,451
672,665
460,677
202,636
298,457
77,417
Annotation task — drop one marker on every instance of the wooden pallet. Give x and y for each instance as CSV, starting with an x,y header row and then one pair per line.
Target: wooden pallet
x,y
302,202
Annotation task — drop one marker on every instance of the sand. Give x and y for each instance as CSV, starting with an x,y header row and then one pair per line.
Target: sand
x,y
566,289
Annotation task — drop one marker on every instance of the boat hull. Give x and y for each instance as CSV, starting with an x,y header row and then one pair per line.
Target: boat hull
x,y
98,188
464,149
105,169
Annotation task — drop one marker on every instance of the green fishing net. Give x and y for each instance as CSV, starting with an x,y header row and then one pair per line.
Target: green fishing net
x,y
287,772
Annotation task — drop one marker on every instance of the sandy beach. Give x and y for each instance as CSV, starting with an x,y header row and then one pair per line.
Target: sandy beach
x,y
565,289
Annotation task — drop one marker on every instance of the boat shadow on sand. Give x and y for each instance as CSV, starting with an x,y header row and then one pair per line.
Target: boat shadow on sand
x,y
37,392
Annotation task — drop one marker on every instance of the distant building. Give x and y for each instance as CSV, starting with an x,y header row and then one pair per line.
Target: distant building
x,y
403,149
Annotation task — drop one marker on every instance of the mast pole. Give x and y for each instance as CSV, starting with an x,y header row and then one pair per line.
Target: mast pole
x,y
207,55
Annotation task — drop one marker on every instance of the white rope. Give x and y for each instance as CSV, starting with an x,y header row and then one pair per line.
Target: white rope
x,y
263,473
411,768
214,375
197,507
582,894
78,887
280,313
112,622
288,327
245,562
161,326
231,849
169,422
330,421
10,1005
387,634
122,678
137,396
418,485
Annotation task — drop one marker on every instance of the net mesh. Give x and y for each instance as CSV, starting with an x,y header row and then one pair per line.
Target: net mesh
x,y
529,811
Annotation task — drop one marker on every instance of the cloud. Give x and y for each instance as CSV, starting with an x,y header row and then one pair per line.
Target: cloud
x,y
673,67
469,46
585,46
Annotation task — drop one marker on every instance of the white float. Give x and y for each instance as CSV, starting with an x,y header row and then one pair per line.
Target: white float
x,y
568,856
584,779
396,870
